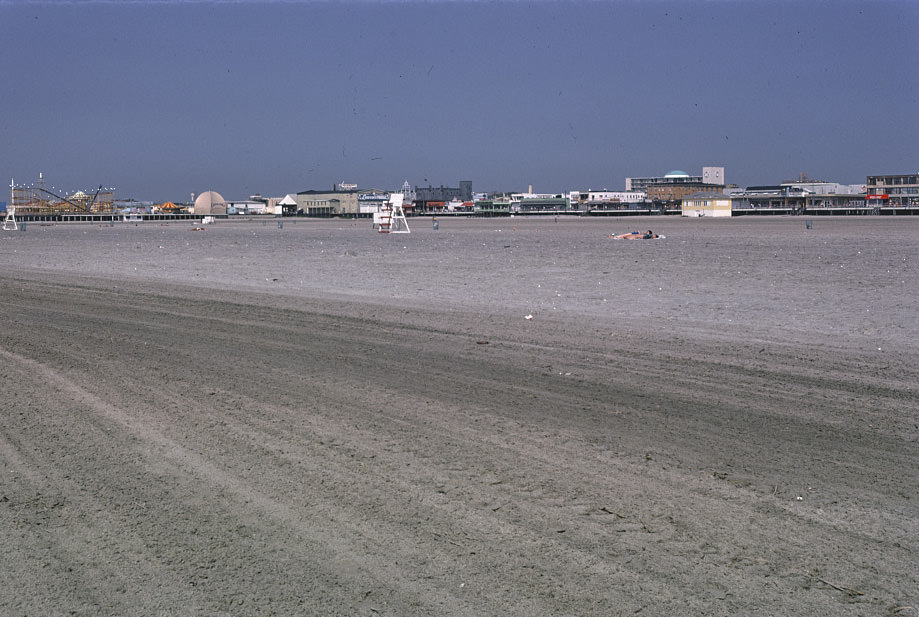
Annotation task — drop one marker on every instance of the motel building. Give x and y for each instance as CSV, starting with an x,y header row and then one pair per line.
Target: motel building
x,y
895,191
707,203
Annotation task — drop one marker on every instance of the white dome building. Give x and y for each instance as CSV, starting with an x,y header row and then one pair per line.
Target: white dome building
x,y
209,203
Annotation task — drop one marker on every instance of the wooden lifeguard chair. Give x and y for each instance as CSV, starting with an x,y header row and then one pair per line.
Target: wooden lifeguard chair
x,y
9,223
391,219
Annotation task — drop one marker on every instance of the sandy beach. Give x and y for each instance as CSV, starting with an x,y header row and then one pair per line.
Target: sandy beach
x,y
512,416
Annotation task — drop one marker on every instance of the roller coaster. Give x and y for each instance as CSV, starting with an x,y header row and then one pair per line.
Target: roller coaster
x,y
35,199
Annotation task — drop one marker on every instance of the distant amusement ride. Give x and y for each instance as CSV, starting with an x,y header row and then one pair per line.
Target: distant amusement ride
x,y
36,199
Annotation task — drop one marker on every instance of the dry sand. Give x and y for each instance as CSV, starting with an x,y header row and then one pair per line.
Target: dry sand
x,y
322,420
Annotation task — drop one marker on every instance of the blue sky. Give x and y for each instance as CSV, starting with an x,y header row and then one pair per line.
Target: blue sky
x,y
163,99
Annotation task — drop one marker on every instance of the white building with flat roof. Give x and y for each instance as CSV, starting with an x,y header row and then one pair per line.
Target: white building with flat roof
x,y
591,198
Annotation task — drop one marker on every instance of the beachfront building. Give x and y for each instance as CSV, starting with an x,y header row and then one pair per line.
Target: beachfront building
x,y
329,203
709,203
492,205
434,198
348,201
371,201
710,176
247,206
771,199
675,186
893,191
795,199
287,205
670,189
822,187
408,194
133,206
836,203
605,199
541,204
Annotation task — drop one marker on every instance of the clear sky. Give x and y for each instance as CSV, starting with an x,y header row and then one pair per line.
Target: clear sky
x,y
163,99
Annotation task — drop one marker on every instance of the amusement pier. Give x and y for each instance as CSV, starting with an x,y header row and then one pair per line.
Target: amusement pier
x,y
675,193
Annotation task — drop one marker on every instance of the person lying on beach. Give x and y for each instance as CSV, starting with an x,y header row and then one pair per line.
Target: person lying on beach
x,y
635,235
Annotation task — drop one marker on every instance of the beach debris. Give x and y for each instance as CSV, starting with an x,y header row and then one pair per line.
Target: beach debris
x,y
848,590
528,317
481,342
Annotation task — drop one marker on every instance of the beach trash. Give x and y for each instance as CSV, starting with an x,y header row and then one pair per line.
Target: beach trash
x,y
280,224
436,224
809,224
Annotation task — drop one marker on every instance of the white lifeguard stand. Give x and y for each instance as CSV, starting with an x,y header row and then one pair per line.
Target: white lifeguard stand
x,y
391,218
9,223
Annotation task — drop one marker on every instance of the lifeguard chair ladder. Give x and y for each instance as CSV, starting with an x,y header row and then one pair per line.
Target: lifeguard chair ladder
x,y
9,223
